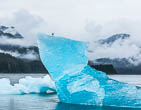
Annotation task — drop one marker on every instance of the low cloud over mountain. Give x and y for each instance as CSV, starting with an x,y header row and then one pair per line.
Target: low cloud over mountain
x,y
13,43
120,51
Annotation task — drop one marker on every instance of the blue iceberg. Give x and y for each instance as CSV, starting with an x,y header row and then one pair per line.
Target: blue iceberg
x,y
78,83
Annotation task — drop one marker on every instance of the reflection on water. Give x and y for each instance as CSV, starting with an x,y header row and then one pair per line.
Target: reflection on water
x,y
63,106
28,102
44,102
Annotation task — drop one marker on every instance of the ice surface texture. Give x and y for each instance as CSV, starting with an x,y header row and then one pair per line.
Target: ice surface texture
x,y
78,83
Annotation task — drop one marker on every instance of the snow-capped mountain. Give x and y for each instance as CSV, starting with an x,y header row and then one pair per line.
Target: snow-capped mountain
x,y
16,55
12,43
9,37
120,51
10,32
113,38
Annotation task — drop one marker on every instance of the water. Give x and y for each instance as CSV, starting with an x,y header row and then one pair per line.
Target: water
x,y
131,79
50,101
14,78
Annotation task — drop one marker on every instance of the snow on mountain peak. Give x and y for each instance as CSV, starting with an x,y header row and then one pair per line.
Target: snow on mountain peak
x,y
10,32
114,38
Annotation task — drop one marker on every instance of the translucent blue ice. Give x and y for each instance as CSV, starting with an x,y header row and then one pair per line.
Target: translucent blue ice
x,y
78,83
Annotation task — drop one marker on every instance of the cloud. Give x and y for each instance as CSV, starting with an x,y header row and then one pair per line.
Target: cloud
x,y
11,41
68,18
26,24
129,49
80,20
120,49
107,29
29,56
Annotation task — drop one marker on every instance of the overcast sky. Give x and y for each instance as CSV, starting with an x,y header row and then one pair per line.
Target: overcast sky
x,y
87,20
77,19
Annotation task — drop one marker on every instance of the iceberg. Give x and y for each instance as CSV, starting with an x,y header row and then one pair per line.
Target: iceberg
x,y
76,82
28,85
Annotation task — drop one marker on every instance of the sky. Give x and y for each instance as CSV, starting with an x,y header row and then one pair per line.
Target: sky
x,y
86,20
77,19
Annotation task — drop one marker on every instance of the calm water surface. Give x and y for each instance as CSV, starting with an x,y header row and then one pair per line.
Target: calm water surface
x,y
51,102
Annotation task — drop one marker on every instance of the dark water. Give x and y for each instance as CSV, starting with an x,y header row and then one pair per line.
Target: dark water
x,y
40,101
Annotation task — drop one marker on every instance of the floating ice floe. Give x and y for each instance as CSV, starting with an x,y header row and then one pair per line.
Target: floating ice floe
x,y
27,85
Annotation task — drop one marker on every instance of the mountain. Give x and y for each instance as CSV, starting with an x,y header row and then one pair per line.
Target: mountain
x,y
19,58
121,65
107,68
16,58
10,32
10,64
114,38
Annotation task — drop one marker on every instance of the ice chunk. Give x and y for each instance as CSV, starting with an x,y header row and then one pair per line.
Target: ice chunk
x,y
27,85
78,83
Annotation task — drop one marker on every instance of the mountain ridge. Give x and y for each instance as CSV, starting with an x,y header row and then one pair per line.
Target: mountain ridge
x,y
110,40
18,50
21,53
10,32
